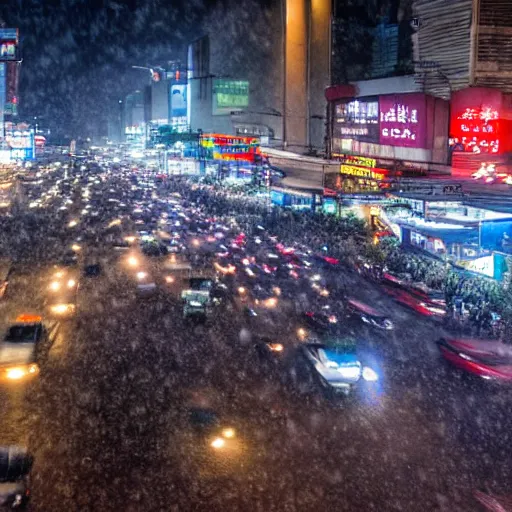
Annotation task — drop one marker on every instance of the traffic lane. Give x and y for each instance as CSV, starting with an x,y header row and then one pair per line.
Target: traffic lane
x,y
470,413
431,386
123,383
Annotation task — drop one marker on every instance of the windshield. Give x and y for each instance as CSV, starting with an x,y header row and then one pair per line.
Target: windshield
x,y
21,334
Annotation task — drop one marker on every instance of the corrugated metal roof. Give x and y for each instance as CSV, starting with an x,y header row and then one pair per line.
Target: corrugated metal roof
x,y
444,37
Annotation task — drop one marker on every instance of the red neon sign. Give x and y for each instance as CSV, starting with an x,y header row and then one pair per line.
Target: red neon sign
x,y
476,130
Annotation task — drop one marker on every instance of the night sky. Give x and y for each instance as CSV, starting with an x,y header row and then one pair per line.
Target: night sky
x,y
77,54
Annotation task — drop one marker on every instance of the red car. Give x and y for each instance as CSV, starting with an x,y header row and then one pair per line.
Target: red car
x,y
424,307
488,359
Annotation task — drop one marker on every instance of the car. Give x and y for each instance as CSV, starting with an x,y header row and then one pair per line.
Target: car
x,y
63,293
320,322
421,306
268,349
368,315
154,249
196,305
92,269
488,359
70,258
22,347
15,466
338,366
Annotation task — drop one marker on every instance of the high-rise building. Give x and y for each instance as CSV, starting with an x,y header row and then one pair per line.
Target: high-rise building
x,y
10,60
271,81
407,60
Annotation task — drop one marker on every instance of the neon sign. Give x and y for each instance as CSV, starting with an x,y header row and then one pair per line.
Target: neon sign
x,y
399,114
361,172
402,120
476,130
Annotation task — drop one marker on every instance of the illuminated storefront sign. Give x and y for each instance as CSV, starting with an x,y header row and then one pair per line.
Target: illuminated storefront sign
x,y
329,206
402,120
361,161
362,172
357,119
476,130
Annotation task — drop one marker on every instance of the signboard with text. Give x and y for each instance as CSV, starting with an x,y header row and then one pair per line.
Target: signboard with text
x,y
357,119
476,121
403,120
363,172
229,96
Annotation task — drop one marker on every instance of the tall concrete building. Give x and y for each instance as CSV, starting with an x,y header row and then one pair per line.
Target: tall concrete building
x,y
307,33
263,72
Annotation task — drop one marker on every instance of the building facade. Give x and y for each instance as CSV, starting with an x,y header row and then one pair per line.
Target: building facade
x,y
460,61
271,82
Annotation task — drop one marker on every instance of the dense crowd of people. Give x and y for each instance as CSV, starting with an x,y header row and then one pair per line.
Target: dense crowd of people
x,y
473,304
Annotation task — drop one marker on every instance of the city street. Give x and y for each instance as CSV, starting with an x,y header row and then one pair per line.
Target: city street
x,y
104,419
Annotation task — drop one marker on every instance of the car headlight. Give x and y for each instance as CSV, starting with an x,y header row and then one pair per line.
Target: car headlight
x,y
370,375
228,433
15,373
218,443
54,286
60,309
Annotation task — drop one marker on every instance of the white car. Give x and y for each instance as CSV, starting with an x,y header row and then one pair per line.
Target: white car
x,y
21,346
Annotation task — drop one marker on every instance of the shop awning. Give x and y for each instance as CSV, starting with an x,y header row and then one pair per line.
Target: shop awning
x,y
450,236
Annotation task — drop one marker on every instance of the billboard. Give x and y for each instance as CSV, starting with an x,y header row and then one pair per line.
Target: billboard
x,y
8,44
357,120
475,121
21,143
11,88
178,101
403,120
229,96
2,98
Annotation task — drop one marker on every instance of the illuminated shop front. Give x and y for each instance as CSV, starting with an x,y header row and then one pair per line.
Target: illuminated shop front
x,y
480,130
403,132
459,232
357,175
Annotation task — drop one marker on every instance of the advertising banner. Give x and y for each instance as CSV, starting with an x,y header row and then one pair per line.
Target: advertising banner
x,y
229,96
363,172
22,144
357,120
475,120
8,44
179,102
403,120
2,100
